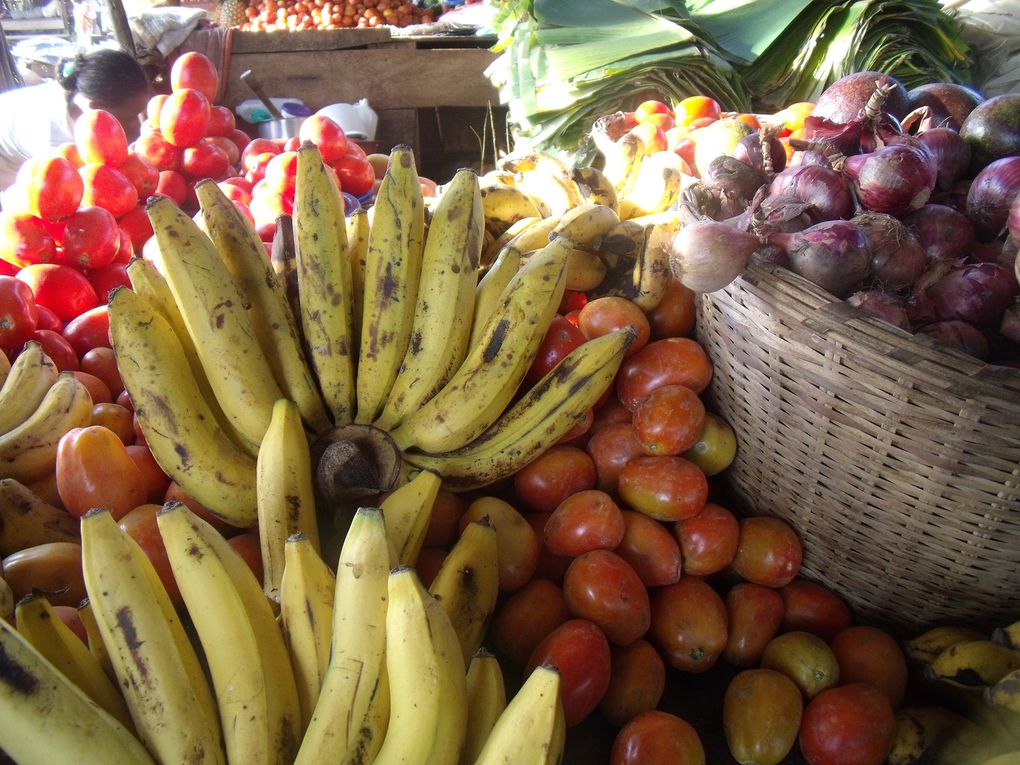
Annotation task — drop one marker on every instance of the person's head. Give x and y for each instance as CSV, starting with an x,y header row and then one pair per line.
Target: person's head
x,y
107,79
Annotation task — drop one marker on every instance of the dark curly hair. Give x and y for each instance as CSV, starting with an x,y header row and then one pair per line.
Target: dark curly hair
x,y
105,76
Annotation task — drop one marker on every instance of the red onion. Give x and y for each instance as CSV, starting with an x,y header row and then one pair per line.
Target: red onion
x,y
833,254
951,153
733,176
769,253
949,102
896,179
976,293
944,233
809,157
1013,219
776,213
844,99
880,304
858,113
707,255
823,188
749,150
960,335
919,308
1009,327
990,195
897,258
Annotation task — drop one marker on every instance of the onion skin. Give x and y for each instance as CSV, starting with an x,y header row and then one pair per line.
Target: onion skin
x,y
707,255
960,335
944,233
733,176
825,189
835,255
976,293
990,196
951,154
896,179
897,258
884,305
845,99
1013,219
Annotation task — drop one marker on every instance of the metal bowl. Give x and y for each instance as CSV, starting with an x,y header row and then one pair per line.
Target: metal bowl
x,y
287,127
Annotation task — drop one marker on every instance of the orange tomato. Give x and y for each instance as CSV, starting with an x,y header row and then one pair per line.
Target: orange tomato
x,y
649,108
869,655
94,469
524,619
696,107
761,714
716,445
637,680
53,567
657,738
754,614
517,543
688,624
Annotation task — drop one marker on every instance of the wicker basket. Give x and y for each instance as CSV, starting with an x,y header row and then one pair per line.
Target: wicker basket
x,y
897,461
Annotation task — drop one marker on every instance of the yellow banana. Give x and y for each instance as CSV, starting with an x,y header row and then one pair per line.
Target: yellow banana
x,y
532,728
213,310
284,263
497,177
26,520
50,636
96,645
6,601
428,687
490,288
1008,636
657,186
357,252
170,701
265,299
924,648
637,260
586,225
407,510
496,364
467,584
179,427
552,192
536,236
973,663
622,159
324,283
495,246
392,273
29,451
44,717
532,159
5,369
353,708
1005,692
1007,758
595,187
30,376
442,314
505,205
306,615
284,492
538,420
248,662
486,702
919,732
585,270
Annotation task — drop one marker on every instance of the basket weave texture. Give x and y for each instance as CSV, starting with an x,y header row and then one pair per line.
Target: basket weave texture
x,y
897,461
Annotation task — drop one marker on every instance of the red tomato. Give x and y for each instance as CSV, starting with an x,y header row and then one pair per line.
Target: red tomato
x,y
57,348
267,207
869,655
140,524
611,447
602,587
254,148
156,481
69,152
107,188
526,618
19,316
205,160
62,289
53,188
239,182
688,624
560,339
98,391
516,540
8,269
143,174
550,566
227,146
850,724
221,123
553,476
769,551
649,107
444,520
670,361
153,106
100,138
354,150
754,614
580,651
240,139
24,239
195,71
88,330
696,107
158,152
708,540
716,447
48,319
669,420
249,548
650,550
184,117
174,493
584,521
101,362
652,137
664,122
327,135
811,607
281,173
665,488
171,184
136,224
607,314
94,470
657,738
91,239
637,680
356,174
115,417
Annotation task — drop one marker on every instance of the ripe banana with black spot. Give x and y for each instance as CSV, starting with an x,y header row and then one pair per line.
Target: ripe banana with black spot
x,y
6,601
47,633
325,283
441,326
284,492
505,205
180,428
973,663
920,731
926,647
552,192
585,269
306,615
527,160
486,701
47,718
497,177
493,248
353,708
29,450
489,289
428,687
357,252
26,520
1005,692
495,366
408,510
637,260
532,728
251,674
157,669
537,420
284,263
96,645
586,225
467,584
1008,636
213,310
395,242
30,376
595,187
656,188
622,160
265,299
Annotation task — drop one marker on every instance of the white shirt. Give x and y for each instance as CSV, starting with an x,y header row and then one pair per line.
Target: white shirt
x,y
33,121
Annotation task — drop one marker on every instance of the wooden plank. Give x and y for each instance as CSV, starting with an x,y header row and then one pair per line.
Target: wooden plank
x,y
389,77
307,40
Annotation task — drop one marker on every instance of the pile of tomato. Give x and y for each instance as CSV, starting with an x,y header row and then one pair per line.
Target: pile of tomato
x,y
296,15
